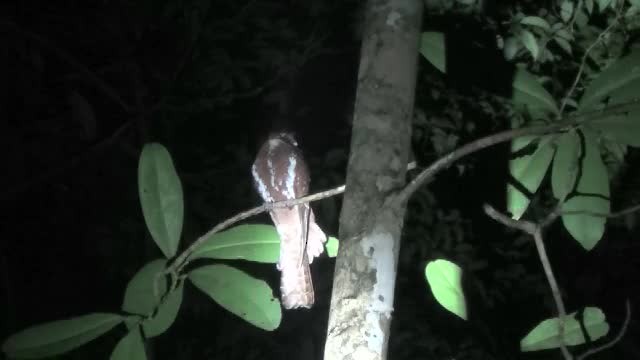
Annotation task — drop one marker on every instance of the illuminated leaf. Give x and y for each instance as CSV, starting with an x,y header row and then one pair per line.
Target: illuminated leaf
x,y
529,94
259,243
240,294
130,347
592,198
565,165
546,336
536,21
445,280
566,10
623,72
529,171
529,41
60,336
161,197
432,47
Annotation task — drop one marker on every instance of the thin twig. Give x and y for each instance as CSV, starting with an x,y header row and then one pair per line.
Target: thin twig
x,y
584,61
613,341
182,260
428,173
507,135
535,231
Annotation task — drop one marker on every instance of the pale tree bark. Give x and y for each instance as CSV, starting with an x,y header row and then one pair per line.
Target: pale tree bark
x,y
372,213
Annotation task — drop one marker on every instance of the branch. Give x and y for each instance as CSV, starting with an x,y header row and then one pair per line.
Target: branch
x,y
427,174
584,59
182,260
616,339
535,230
507,135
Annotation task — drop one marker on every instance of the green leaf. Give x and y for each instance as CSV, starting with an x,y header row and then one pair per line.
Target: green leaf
x,y
528,170
566,10
564,44
240,294
566,164
130,347
140,297
166,314
332,246
603,4
615,77
587,228
530,43
623,128
546,335
536,21
432,47
564,34
445,280
511,48
588,4
528,93
161,197
259,243
60,336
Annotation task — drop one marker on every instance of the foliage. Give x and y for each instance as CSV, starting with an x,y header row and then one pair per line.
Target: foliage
x,y
153,296
574,156
545,335
445,279
59,336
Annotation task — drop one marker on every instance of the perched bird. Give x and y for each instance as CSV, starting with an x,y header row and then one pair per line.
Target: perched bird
x,y
280,173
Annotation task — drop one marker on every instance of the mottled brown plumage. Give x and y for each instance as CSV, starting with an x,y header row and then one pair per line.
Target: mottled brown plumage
x,y
280,173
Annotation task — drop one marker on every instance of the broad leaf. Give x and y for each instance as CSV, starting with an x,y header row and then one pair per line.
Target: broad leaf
x,y
59,336
603,4
529,94
622,127
588,4
546,335
593,197
511,48
432,47
528,170
239,293
145,289
259,243
445,280
140,298
130,347
614,77
166,314
564,44
566,10
529,41
536,21
566,164
161,197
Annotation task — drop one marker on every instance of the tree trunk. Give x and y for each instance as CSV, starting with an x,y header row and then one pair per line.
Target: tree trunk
x,y
372,214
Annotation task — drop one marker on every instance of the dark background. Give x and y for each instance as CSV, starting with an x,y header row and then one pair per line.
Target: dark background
x,y
209,80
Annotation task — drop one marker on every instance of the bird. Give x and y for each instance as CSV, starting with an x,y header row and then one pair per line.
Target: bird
x,y
280,173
